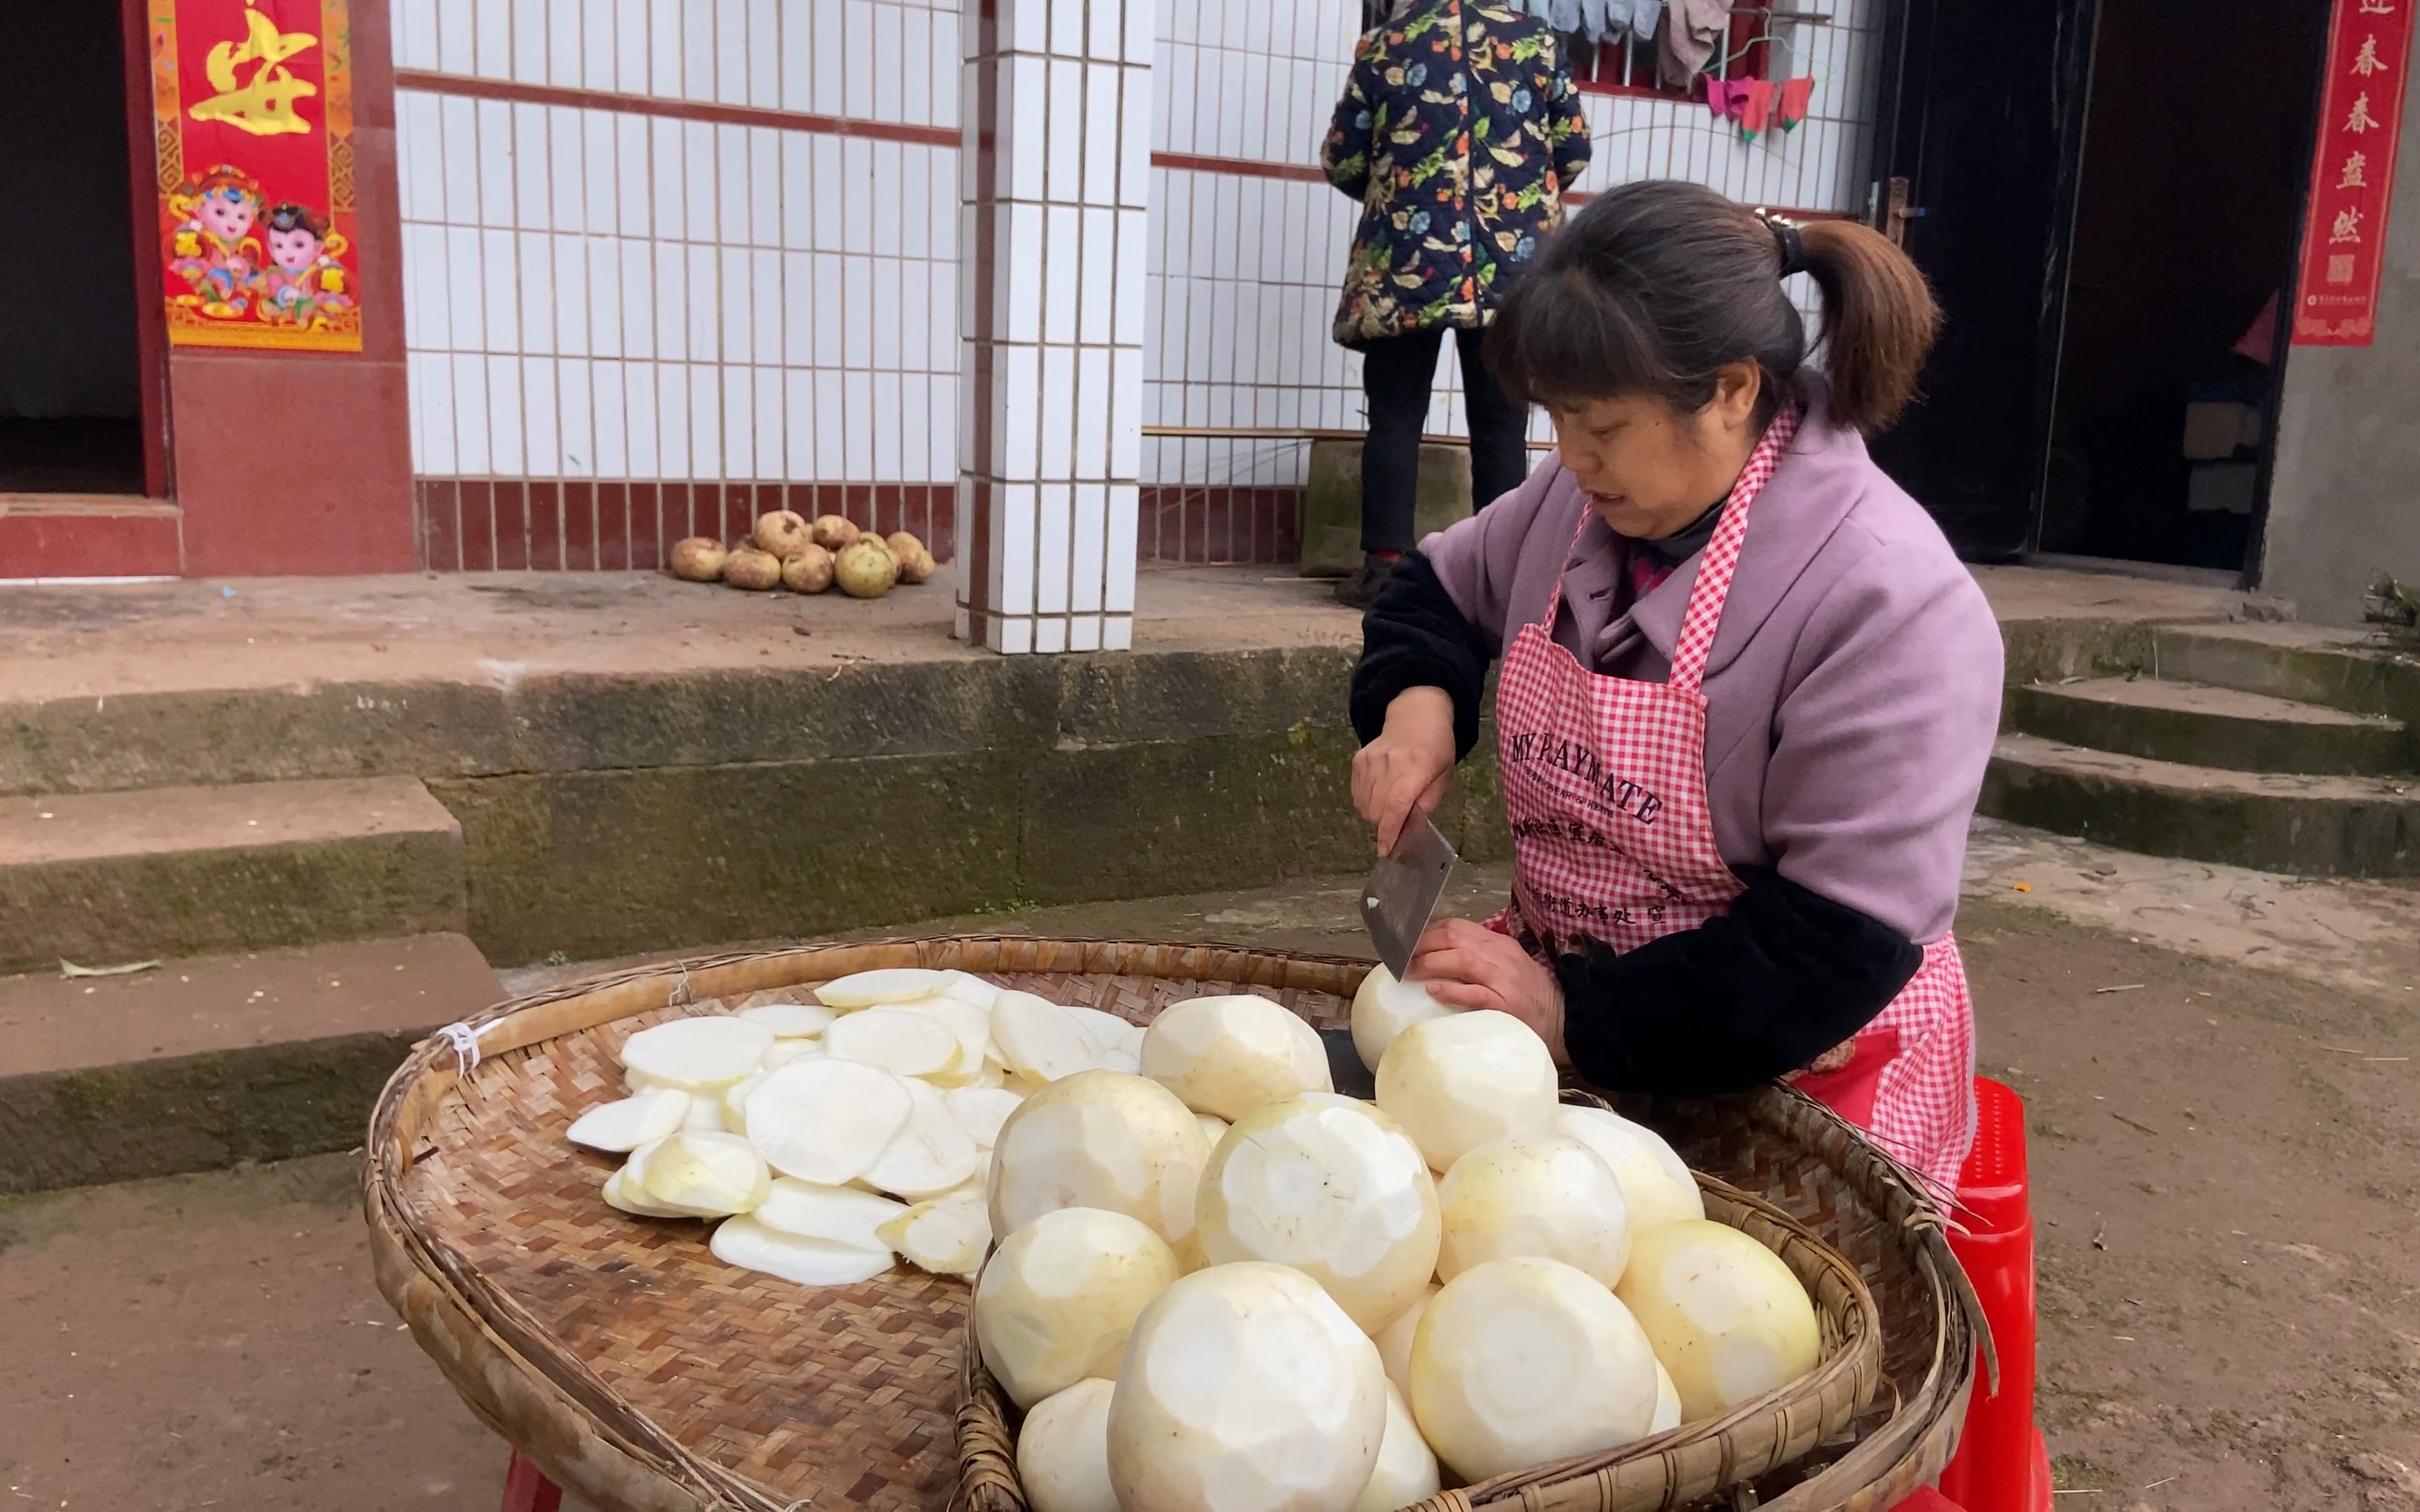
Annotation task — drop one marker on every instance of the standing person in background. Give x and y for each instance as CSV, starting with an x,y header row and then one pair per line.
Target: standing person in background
x,y
1458,133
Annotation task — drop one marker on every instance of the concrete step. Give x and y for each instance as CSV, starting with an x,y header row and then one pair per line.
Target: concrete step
x,y
115,877
2314,825
205,1062
2198,724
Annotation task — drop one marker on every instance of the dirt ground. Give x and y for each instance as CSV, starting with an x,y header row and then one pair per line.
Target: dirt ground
x,y
2224,1159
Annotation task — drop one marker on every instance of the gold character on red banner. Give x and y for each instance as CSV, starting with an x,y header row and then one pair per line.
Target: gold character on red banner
x,y
264,103
2356,170
252,105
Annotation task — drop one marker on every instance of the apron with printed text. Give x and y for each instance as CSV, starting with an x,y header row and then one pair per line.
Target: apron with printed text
x,y
1613,835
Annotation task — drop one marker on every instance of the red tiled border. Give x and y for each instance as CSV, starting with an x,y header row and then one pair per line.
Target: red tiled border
x,y
681,110
1220,525
616,524
1238,168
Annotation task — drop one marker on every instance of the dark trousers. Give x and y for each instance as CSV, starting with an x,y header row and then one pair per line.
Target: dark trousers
x,y
1397,374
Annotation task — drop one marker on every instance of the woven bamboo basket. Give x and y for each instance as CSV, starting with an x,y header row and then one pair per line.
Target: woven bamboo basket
x,y
643,1375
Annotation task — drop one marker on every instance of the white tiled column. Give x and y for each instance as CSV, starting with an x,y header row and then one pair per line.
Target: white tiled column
x,y
1056,108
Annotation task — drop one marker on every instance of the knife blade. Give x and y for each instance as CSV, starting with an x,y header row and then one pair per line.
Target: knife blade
x,y
1404,891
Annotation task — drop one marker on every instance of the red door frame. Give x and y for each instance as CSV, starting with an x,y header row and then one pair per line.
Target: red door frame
x,y
151,313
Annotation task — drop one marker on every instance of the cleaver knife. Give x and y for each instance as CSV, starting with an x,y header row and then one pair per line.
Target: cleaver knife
x,y
1404,891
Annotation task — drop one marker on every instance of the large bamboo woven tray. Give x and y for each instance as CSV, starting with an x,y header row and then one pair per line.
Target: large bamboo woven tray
x,y
642,1374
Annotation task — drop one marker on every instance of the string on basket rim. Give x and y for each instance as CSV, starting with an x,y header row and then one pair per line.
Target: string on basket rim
x,y
464,1042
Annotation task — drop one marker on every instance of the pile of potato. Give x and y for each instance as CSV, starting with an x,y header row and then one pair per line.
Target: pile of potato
x,y
1218,1283
787,550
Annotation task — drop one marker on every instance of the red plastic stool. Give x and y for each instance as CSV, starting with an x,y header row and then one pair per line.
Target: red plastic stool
x,y
2002,1464
527,1490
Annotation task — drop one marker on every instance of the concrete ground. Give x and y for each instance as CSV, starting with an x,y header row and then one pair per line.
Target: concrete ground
x,y
2219,1072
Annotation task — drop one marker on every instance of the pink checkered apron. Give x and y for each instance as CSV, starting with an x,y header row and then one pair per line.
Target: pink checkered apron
x,y
1613,835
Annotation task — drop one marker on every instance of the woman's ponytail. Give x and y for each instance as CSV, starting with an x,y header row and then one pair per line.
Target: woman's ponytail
x,y
1879,320
1658,285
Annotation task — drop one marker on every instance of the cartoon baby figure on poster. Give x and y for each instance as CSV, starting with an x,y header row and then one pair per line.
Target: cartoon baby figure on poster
x,y
303,284
212,247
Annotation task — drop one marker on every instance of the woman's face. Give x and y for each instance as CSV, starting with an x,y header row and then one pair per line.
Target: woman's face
x,y
1651,469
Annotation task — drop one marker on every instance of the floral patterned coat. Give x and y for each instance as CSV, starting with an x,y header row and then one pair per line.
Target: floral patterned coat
x,y
1458,132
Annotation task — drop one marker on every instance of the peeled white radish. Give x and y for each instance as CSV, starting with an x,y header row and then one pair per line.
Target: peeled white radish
x,y
1406,1469
1214,1128
1099,1139
1039,1039
1728,1318
902,1043
792,1021
1394,1341
929,1155
981,1111
968,988
1544,1194
865,989
1334,1188
808,1262
708,1174
1519,1362
1383,1008
842,1214
1245,1386
1668,1402
1657,1186
619,1128
827,1120
697,1055
1063,1451
1056,1302
1456,1082
947,1236
620,1192
1229,1055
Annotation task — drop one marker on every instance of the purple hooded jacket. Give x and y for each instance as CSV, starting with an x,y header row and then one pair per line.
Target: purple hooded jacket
x,y
1853,689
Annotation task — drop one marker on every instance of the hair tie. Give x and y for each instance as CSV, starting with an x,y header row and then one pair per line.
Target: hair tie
x,y
1786,242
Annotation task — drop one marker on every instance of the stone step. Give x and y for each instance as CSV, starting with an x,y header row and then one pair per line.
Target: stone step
x,y
204,1062
2315,826
115,877
2197,724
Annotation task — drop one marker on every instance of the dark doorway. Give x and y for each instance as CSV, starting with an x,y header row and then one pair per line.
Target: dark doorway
x,y
2195,151
71,392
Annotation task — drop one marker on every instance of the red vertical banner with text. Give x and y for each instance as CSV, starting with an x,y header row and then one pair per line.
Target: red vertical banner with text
x,y
252,113
2352,180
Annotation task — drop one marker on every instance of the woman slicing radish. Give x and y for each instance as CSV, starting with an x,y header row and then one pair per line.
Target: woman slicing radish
x,y
1747,690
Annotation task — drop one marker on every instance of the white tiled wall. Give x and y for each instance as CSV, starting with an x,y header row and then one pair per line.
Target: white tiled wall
x,y
600,292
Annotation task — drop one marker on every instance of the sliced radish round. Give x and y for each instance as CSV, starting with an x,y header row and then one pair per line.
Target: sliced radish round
x,y
946,1236
927,1157
619,1128
826,1120
807,1262
706,1175
785,1051
842,1214
631,1198
702,1054
792,1021
968,988
901,1041
734,1102
972,1026
706,1113
981,1111
1039,1039
865,989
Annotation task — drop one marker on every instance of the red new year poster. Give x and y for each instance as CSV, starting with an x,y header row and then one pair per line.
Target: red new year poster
x,y
252,107
2360,118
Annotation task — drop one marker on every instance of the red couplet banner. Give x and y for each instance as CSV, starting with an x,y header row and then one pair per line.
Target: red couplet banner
x,y
2360,118
252,108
